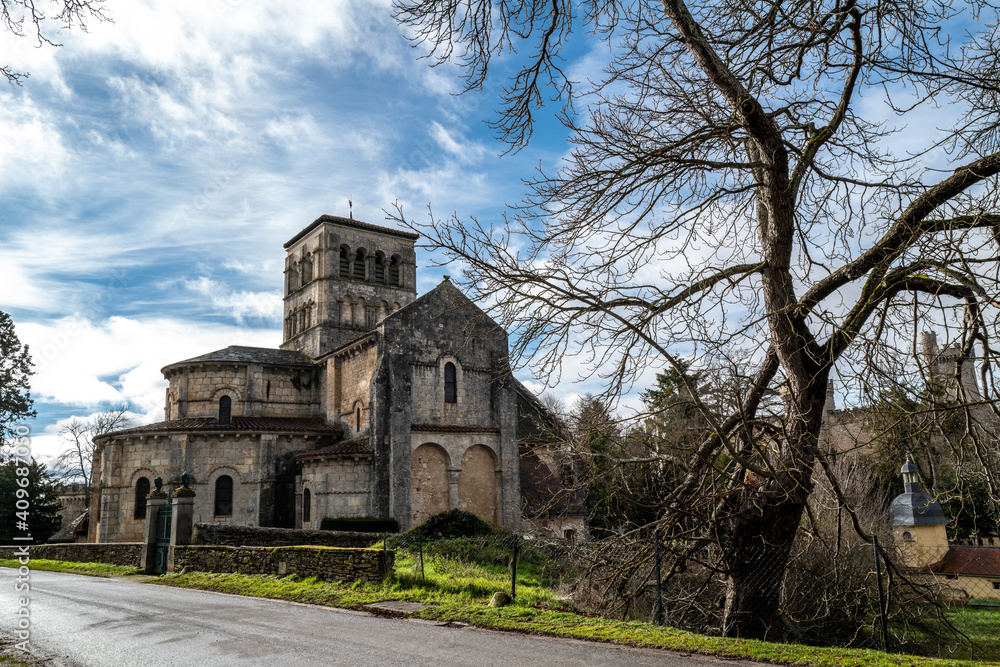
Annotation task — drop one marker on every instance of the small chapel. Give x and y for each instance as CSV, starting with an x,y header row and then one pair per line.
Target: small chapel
x,y
378,402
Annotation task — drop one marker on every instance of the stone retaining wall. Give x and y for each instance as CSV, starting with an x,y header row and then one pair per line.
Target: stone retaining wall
x,y
256,536
330,563
122,553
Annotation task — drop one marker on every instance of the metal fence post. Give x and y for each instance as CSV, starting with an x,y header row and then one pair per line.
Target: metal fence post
x,y
658,607
881,598
513,571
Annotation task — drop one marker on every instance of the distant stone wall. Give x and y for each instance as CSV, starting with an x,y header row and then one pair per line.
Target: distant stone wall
x,y
329,563
256,536
122,553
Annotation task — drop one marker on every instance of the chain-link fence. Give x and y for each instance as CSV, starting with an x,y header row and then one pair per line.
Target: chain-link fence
x,y
913,599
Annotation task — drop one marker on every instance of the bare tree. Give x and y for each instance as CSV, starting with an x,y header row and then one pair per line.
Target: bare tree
x,y
76,461
38,20
729,190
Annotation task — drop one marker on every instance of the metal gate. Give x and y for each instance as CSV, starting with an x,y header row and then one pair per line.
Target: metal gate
x,y
163,519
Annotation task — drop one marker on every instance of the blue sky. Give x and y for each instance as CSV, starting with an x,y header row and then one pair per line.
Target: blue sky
x,y
152,168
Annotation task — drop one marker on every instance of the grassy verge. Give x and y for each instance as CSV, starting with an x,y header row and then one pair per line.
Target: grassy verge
x,y
93,569
459,591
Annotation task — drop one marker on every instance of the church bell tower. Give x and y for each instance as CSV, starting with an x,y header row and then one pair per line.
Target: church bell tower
x,y
341,277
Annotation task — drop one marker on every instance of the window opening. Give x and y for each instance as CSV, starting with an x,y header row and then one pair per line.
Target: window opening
x,y
306,505
345,264
225,410
141,491
379,269
450,384
359,266
224,496
357,420
394,271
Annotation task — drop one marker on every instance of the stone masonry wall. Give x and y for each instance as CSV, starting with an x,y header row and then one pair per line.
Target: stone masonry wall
x,y
339,488
349,385
256,390
123,553
330,563
255,536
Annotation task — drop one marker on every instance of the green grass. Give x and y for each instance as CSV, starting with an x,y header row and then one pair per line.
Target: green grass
x,y
94,569
979,634
460,579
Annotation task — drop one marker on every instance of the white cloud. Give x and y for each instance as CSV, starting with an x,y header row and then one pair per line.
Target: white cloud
x,y
240,304
82,363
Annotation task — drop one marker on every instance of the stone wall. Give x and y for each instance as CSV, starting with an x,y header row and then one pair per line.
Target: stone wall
x,y
329,563
256,390
348,387
255,536
339,488
122,553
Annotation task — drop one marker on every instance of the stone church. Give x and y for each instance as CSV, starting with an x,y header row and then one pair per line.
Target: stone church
x,y
377,403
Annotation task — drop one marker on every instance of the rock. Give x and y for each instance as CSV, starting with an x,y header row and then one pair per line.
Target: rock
x,y
500,599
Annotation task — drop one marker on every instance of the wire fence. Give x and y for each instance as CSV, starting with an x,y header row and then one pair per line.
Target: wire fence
x,y
907,598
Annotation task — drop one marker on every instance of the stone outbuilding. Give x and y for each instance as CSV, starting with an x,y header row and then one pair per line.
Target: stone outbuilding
x,y
378,403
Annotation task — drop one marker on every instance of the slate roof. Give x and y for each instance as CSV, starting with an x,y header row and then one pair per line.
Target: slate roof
x,y
258,424
268,356
353,447
68,532
542,494
974,561
349,222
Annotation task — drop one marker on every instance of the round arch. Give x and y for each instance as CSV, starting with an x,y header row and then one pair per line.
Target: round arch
x,y
477,483
430,490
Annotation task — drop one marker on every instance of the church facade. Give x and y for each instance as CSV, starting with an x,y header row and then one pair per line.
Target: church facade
x,y
377,403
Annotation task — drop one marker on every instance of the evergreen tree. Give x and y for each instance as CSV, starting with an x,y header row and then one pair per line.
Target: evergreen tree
x,y
39,502
15,369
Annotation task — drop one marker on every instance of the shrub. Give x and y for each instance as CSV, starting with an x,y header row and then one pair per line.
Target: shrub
x,y
453,523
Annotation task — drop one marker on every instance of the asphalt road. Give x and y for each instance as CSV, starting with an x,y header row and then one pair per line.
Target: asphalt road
x,y
95,622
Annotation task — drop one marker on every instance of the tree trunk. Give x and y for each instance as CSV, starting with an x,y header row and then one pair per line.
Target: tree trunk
x,y
757,537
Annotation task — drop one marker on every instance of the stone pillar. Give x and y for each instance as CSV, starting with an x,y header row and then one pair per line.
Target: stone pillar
x,y
182,519
155,500
453,476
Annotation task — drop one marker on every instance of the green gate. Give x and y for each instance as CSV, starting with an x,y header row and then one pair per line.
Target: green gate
x,y
163,518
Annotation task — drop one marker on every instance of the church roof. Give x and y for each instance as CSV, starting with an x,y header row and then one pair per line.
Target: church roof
x,y
353,447
350,222
248,355
253,424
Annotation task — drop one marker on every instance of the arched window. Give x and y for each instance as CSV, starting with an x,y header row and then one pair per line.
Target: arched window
x,y
450,384
345,263
380,268
306,505
225,410
357,421
359,266
224,496
141,491
306,270
394,270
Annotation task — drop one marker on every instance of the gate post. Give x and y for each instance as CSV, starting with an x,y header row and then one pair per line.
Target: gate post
x,y
182,525
154,501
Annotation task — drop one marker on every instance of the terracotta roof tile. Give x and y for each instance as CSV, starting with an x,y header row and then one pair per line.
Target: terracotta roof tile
x,y
435,428
354,447
258,424
982,561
